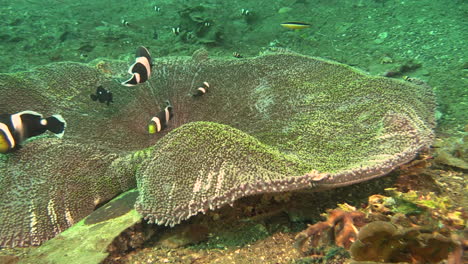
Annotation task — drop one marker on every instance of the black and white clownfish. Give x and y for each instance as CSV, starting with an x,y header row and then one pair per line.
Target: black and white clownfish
x,y
103,95
159,122
141,69
236,54
16,128
201,90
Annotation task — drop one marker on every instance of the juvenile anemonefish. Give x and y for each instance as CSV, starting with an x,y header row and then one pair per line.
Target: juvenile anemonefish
x,y
295,25
176,30
125,23
16,128
141,69
201,90
237,54
413,80
245,12
103,95
159,122
408,79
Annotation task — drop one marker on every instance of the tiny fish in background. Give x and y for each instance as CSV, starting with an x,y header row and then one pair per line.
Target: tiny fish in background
x,y
414,80
408,79
248,15
103,95
16,128
176,30
245,12
141,69
125,23
295,25
201,90
237,55
159,122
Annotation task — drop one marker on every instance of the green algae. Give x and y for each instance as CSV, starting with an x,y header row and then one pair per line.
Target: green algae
x,y
414,202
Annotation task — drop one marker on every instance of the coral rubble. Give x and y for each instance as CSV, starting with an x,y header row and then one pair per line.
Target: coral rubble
x,y
343,226
385,242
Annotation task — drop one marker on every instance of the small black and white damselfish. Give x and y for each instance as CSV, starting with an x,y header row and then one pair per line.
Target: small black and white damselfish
x,y
141,69
16,128
201,90
103,95
159,122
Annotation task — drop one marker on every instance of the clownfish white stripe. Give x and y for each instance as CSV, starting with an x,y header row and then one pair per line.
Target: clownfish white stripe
x,y
137,77
8,134
166,110
146,63
201,90
18,123
157,122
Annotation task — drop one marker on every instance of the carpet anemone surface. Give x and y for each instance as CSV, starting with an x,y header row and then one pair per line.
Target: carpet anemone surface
x,y
272,123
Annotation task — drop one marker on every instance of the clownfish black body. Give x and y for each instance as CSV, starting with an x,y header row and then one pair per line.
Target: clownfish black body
x,y
159,122
201,90
16,128
141,69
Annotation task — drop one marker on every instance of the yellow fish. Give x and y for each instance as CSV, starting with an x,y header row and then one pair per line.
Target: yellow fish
x,y
295,25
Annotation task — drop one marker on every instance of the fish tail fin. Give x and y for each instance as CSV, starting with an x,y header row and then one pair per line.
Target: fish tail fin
x,y
56,124
130,82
